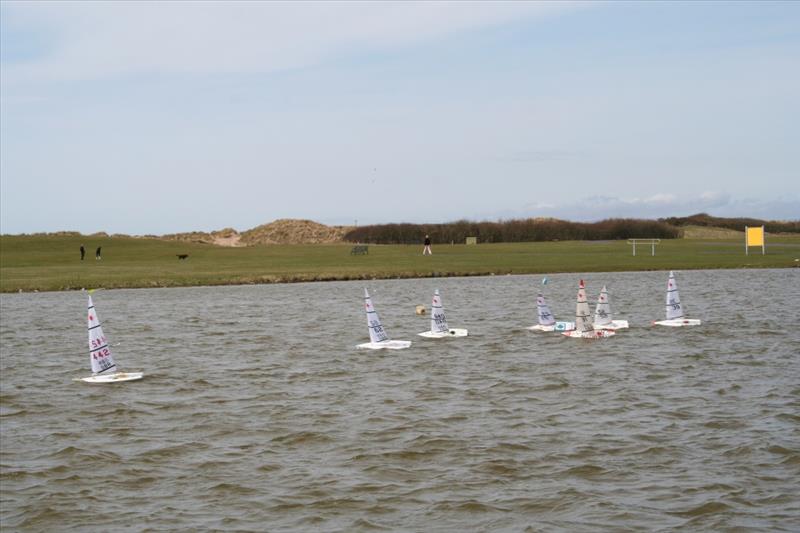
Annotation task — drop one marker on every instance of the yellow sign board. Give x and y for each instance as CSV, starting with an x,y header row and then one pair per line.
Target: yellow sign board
x,y
755,236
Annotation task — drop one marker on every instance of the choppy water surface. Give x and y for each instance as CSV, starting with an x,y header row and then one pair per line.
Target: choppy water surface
x,y
257,412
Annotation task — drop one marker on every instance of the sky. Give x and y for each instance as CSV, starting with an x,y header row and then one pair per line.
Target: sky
x,y
162,117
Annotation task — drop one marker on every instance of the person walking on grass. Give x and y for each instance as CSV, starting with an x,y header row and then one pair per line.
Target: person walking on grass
x,y
83,252
427,249
97,254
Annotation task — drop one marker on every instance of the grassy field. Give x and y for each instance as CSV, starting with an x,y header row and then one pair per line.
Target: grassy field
x,y
48,262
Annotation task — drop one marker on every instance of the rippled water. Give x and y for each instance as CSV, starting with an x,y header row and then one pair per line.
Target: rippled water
x,y
257,412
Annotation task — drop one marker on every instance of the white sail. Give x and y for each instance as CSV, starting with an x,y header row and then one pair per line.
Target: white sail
x,y
547,322
376,331
674,308
675,314
545,315
602,313
438,321
583,322
99,351
378,338
439,327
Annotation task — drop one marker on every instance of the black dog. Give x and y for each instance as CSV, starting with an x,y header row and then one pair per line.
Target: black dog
x,y
181,257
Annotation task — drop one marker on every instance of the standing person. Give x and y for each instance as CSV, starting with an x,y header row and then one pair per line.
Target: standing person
x,y
97,254
427,249
83,252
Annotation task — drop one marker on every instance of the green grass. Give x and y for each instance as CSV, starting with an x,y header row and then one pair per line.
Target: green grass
x,y
48,262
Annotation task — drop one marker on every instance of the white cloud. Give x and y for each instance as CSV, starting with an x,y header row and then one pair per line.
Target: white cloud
x,y
656,199
101,39
715,199
659,205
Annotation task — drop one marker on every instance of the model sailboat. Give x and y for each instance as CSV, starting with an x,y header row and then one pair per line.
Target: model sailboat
x,y
583,322
602,314
378,338
104,369
547,321
675,316
439,327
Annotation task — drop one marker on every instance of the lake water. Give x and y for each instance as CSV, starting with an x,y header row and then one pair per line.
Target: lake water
x,y
257,412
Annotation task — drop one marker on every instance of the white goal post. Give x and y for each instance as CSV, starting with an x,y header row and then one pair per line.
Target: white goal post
x,y
651,242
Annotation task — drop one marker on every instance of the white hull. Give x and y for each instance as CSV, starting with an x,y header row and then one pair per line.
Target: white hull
x,y
558,326
116,377
615,324
596,334
452,332
677,322
385,345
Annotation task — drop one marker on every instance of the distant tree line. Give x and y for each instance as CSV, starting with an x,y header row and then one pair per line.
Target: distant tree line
x,y
738,224
516,230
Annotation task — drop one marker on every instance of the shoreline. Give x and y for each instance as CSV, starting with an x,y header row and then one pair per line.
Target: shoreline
x,y
417,275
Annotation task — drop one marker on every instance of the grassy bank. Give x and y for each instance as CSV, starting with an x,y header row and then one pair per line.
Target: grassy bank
x,y
46,262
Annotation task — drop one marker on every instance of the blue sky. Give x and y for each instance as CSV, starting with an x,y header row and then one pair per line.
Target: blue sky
x,y
163,117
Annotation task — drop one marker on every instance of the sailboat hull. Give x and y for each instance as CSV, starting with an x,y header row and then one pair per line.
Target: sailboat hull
x,y
596,334
452,332
677,322
615,324
558,326
385,345
116,377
